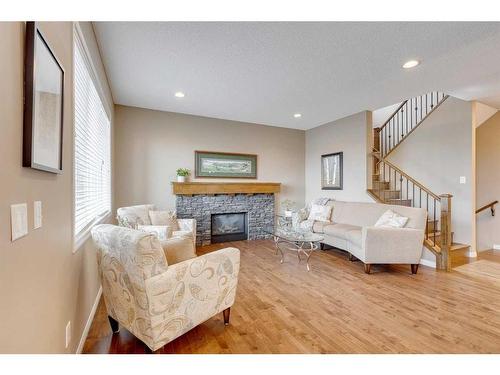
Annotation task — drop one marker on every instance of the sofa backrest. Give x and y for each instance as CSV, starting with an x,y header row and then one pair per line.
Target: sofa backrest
x,y
365,214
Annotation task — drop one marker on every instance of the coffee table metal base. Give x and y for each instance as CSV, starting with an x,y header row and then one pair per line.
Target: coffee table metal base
x,y
304,247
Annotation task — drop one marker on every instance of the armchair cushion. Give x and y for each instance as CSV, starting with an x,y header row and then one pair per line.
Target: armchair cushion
x,y
164,218
133,216
163,232
178,249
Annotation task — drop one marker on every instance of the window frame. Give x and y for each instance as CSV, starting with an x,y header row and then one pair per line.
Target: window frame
x,y
83,235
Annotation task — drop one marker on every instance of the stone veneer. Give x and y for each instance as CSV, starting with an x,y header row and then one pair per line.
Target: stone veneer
x,y
259,209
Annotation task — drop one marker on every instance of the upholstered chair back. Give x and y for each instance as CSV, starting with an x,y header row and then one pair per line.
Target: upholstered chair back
x,y
133,216
126,258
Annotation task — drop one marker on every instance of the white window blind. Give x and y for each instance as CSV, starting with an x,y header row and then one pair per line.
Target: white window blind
x,y
92,161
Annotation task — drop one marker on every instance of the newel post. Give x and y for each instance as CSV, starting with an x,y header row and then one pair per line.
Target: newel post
x,y
444,261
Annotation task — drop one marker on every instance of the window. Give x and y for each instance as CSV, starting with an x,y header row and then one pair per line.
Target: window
x,y
92,147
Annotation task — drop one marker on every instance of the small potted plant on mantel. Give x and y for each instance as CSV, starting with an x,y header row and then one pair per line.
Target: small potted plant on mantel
x,y
287,205
182,174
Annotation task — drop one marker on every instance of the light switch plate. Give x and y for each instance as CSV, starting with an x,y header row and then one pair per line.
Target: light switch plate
x,y
463,180
19,220
37,214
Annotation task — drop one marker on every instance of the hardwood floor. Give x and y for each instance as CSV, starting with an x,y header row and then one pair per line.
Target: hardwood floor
x,y
335,308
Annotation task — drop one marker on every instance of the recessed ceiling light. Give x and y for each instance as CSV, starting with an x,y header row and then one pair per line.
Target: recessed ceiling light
x,y
297,115
411,64
179,94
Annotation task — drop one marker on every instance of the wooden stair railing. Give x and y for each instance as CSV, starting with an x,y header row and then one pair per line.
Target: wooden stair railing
x,y
405,119
491,206
391,185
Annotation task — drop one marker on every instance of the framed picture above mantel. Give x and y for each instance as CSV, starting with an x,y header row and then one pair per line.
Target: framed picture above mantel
x,y
43,104
225,165
332,170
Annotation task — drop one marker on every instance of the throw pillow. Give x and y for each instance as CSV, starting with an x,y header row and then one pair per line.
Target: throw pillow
x,y
162,232
164,218
320,213
391,219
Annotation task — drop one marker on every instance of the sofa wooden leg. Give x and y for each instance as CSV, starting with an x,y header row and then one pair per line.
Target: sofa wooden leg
x,y
115,327
414,268
322,246
368,268
352,258
226,313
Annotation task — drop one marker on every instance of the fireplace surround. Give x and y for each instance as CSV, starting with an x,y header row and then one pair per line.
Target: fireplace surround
x,y
258,210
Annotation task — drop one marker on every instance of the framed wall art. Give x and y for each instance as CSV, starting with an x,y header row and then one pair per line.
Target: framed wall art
x,y
332,171
224,164
43,104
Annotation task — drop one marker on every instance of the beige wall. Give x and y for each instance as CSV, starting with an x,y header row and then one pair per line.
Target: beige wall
x,y
151,145
351,135
43,284
437,154
488,181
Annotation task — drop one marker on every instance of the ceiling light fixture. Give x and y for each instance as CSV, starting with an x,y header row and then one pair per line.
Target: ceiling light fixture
x,y
411,64
179,94
297,115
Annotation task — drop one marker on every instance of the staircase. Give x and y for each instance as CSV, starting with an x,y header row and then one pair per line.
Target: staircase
x,y
392,185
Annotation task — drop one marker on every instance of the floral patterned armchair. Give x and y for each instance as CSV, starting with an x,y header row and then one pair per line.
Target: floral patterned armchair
x,y
155,301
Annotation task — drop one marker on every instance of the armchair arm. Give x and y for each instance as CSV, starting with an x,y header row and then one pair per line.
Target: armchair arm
x,y
392,245
190,292
188,225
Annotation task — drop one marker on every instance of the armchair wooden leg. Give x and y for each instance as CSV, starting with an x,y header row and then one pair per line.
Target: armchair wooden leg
x,y
414,268
368,268
226,313
115,327
322,246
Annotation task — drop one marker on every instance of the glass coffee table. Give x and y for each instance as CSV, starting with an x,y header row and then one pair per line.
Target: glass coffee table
x,y
290,239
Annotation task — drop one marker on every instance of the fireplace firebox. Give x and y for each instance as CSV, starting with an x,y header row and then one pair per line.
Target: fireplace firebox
x,y
231,226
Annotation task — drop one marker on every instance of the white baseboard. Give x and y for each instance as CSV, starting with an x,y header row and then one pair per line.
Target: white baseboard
x,y
89,322
428,263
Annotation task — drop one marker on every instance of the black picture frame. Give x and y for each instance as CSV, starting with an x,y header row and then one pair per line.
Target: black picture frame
x,y
36,147
339,185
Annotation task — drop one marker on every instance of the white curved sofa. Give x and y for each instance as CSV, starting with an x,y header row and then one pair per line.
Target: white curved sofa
x,y
352,229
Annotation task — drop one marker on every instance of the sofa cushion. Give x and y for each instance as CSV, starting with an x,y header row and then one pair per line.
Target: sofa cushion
x,y
320,213
339,230
319,226
391,219
354,236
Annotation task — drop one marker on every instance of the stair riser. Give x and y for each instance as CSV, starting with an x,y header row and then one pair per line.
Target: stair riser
x,y
390,194
380,185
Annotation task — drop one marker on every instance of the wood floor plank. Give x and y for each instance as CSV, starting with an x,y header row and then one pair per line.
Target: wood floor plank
x,y
336,308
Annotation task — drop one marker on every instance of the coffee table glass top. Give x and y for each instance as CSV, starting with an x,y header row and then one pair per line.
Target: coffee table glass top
x,y
294,235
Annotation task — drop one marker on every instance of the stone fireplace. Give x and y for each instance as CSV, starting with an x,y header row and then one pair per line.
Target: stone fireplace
x,y
227,211
257,209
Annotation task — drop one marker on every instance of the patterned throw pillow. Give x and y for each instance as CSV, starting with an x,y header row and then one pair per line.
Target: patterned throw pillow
x,y
162,232
164,218
391,219
320,213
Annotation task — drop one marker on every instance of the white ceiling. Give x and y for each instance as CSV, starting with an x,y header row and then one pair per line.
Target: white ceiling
x,y
265,72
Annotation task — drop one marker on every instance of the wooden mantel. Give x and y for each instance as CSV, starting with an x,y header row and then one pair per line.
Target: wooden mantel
x,y
193,188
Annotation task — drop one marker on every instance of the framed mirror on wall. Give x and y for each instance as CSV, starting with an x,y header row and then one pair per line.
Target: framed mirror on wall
x,y
332,171
43,104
